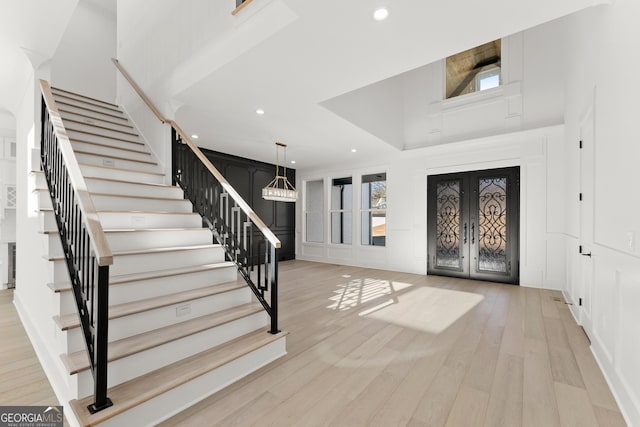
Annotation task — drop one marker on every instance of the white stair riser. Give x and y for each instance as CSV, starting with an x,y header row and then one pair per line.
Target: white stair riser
x,y
68,109
47,221
52,244
133,189
130,264
128,368
149,320
121,174
134,240
112,151
150,288
60,92
81,104
120,142
147,220
37,181
106,203
92,159
43,198
89,122
85,131
35,160
176,400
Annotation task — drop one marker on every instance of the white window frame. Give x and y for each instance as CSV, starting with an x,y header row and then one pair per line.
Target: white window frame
x,y
372,209
337,210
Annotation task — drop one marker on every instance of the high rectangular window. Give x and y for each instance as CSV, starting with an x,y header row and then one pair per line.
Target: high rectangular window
x,y
341,210
314,209
474,70
373,212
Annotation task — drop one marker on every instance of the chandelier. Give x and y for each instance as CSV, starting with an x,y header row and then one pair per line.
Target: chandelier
x,y
280,189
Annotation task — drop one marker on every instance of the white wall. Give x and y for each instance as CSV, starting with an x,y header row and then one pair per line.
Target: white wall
x,y
603,66
538,153
82,61
409,110
7,177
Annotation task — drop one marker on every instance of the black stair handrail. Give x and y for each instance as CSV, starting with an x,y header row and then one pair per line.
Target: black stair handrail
x,y
247,241
86,250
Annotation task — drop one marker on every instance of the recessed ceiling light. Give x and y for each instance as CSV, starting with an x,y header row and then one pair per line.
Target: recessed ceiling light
x,y
380,14
194,136
353,150
259,111
293,162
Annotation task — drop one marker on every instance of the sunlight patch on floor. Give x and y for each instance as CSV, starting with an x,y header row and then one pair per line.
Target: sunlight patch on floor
x,y
356,292
426,309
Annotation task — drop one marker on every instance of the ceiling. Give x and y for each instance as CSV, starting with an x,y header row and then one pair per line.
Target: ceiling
x,y
333,48
287,57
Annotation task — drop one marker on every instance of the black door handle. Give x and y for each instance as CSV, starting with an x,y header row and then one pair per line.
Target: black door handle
x,y
465,234
589,254
473,232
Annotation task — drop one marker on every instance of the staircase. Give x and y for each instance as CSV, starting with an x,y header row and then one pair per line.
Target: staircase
x,y
181,323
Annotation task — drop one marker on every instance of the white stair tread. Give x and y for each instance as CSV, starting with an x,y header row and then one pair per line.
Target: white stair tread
x,y
78,361
128,278
70,321
139,390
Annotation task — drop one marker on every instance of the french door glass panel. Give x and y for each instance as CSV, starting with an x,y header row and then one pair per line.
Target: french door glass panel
x,y
492,224
473,225
448,251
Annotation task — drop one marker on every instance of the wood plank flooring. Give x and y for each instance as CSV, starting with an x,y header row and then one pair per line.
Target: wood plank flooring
x,y
22,380
379,348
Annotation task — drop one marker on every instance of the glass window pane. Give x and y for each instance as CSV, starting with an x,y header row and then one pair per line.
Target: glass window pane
x,y
314,196
341,205
341,227
374,227
492,224
314,215
341,194
373,204
448,224
315,227
473,70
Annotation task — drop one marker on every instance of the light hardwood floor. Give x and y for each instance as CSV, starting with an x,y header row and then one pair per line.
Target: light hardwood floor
x,y
22,380
378,348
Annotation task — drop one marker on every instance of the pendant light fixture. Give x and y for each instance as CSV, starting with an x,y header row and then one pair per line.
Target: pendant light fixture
x,y
280,189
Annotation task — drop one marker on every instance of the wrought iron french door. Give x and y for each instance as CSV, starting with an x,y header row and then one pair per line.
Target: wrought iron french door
x,y
473,225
